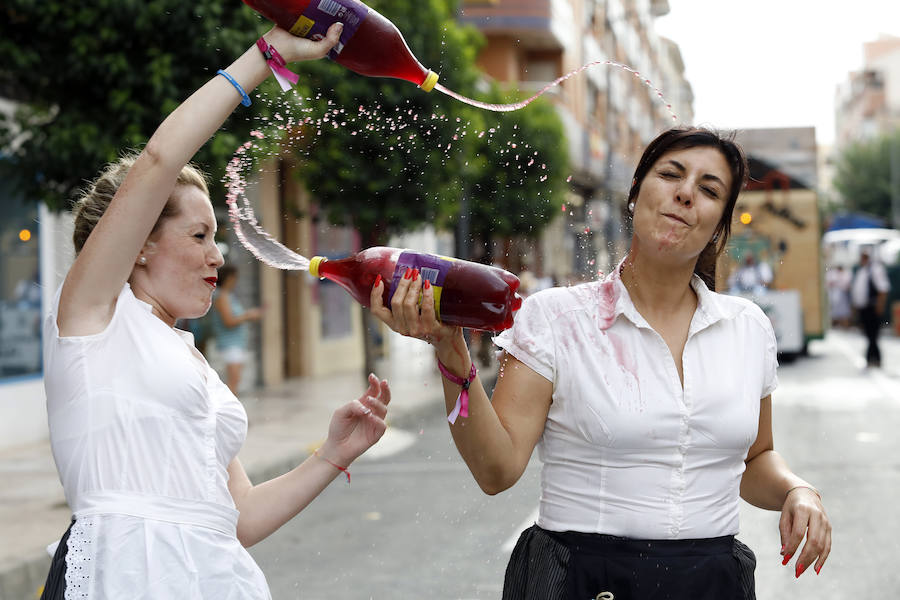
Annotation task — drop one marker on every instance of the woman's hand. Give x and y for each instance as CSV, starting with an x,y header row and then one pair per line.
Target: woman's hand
x,y
412,309
356,426
294,48
803,514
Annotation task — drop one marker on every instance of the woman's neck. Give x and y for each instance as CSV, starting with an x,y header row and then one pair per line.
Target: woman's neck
x,y
658,290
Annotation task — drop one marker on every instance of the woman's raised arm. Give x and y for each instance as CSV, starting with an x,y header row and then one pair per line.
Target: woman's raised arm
x,y
106,261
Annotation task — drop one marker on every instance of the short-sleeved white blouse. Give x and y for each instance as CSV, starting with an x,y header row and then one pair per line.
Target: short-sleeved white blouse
x,y
142,432
627,450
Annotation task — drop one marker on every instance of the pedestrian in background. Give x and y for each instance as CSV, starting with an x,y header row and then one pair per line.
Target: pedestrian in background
x,y
144,434
228,320
868,294
649,397
838,280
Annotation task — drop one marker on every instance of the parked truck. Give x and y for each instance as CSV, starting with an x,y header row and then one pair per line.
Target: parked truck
x,y
777,225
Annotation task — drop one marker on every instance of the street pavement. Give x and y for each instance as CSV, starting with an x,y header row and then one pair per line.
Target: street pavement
x,y
413,524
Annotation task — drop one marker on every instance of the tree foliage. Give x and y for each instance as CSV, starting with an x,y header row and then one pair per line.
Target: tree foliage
x,y
93,79
408,157
863,175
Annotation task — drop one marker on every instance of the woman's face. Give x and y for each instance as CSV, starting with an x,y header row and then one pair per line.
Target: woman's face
x,y
680,203
182,260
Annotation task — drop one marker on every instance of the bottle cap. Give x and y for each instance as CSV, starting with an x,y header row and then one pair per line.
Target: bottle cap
x,y
314,265
429,82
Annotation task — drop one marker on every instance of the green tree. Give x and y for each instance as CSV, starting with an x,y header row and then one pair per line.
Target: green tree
x,y
863,175
521,174
92,79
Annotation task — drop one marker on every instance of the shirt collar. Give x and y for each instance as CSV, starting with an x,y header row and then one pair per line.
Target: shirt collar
x,y
711,307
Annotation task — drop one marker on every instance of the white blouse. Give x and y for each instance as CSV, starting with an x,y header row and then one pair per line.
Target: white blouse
x,y
626,450
142,432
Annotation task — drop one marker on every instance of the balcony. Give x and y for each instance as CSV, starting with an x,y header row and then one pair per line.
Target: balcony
x,y
535,24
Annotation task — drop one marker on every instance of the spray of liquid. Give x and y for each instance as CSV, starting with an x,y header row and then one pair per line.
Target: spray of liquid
x,y
519,105
273,253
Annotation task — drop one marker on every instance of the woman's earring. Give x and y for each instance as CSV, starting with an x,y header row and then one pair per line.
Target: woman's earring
x,y
631,207
142,260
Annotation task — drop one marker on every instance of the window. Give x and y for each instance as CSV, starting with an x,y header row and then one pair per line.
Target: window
x,y
20,288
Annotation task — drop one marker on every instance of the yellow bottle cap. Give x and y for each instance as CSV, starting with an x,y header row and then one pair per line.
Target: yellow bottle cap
x,y
429,82
314,265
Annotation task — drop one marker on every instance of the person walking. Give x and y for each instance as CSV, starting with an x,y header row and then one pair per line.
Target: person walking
x,y
144,434
649,398
869,296
228,321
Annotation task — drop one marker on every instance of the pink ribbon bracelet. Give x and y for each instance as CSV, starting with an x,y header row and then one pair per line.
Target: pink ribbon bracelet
x,y
462,401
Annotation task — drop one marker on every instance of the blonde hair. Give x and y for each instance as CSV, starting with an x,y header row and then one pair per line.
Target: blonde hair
x,y
95,199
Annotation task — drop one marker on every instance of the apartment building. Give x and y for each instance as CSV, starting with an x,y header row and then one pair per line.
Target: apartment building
x,y
868,102
609,112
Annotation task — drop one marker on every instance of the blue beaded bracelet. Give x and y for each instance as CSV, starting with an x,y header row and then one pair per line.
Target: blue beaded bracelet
x,y
245,99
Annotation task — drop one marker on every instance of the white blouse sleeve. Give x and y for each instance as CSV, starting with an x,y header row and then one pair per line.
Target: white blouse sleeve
x,y
530,340
770,375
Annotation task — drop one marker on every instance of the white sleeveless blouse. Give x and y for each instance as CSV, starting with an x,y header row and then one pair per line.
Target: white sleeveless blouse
x,y
142,432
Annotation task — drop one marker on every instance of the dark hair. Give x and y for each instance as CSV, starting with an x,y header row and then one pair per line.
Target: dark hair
x,y
225,271
681,138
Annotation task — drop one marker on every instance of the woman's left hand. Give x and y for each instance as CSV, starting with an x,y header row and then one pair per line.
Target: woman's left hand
x,y
357,425
803,514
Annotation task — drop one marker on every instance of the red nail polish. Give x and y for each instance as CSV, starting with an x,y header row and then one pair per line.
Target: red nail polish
x,y
799,570
818,569
786,559
408,273
377,280
426,284
415,274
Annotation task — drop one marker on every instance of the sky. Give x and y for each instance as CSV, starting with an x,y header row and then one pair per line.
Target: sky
x,y
773,63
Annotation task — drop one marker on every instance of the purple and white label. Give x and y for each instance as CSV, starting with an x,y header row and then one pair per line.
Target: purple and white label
x,y
321,14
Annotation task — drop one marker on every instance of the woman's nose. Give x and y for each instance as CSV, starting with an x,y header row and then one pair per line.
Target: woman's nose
x,y
685,194
217,259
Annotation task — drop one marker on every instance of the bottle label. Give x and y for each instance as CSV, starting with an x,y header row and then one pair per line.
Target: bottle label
x,y
431,267
319,15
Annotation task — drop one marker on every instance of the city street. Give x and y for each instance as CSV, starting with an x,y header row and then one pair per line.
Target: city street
x,y
414,524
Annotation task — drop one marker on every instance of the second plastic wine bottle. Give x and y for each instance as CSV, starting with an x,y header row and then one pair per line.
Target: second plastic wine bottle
x,y
370,44
466,294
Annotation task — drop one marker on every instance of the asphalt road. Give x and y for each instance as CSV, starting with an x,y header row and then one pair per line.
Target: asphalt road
x,y
415,525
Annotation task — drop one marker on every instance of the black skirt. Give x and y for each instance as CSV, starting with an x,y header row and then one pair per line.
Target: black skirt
x,y
55,586
548,565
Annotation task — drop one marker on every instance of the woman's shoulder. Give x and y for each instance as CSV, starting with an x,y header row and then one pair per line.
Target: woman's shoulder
x,y
558,300
739,308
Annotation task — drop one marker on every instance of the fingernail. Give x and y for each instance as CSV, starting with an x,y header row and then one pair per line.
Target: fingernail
x,y
377,281
415,274
782,550
818,569
408,273
800,569
426,284
787,558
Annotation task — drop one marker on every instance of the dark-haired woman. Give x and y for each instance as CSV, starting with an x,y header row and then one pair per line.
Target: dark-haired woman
x,y
649,398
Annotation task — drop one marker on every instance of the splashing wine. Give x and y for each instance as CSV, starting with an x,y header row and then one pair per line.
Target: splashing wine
x,y
519,105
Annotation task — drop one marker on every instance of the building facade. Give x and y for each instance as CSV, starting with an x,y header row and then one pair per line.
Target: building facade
x,y
609,113
867,104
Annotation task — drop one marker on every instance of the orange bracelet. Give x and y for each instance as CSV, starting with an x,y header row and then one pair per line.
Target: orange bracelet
x,y
336,466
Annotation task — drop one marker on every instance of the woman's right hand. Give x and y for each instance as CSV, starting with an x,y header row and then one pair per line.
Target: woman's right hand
x,y
294,48
412,314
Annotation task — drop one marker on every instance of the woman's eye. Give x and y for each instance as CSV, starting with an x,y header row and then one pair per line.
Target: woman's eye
x,y
669,174
200,236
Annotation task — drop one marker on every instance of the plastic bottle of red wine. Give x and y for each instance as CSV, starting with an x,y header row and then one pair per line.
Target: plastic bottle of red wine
x,y
370,44
466,294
